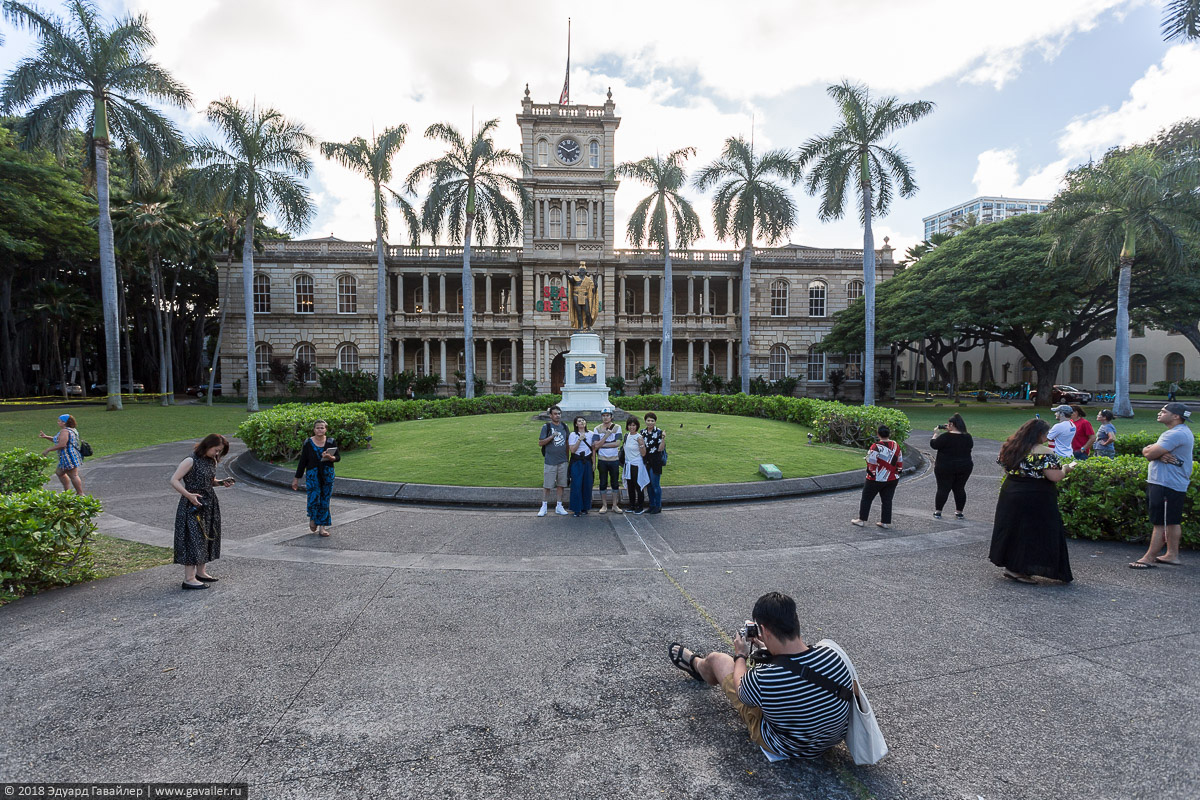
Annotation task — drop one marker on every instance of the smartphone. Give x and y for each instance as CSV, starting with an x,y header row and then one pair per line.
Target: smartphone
x,y
331,450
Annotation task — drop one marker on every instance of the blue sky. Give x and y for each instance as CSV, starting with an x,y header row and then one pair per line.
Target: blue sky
x,y
1025,89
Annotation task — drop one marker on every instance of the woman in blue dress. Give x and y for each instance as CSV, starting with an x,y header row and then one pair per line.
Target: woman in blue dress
x,y
581,469
317,458
66,442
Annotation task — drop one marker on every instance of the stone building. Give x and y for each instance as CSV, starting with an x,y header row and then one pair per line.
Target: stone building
x,y
315,300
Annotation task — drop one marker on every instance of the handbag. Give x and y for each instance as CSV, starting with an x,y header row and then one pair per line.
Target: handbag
x,y
864,739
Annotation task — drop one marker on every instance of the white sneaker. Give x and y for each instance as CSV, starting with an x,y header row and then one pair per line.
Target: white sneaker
x,y
542,510
560,510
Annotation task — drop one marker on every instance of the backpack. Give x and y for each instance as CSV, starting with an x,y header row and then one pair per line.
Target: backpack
x,y
546,428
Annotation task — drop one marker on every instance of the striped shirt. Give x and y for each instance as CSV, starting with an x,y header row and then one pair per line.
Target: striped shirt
x,y
800,719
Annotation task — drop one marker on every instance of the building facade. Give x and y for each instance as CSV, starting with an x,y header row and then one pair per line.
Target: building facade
x,y
985,209
315,300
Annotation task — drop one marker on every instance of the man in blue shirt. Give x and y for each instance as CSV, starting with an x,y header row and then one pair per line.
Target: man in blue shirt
x,y
1167,480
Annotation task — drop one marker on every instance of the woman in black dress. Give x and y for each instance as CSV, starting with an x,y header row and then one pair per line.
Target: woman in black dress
x,y
198,516
953,465
1028,537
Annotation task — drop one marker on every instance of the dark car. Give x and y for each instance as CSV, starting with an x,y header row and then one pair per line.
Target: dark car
x,y
202,389
1066,394
73,389
126,388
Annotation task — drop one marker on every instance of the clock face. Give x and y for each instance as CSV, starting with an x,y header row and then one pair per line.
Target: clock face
x,y
568,151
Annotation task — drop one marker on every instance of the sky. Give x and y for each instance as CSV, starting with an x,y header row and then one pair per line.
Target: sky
x,y
1024,89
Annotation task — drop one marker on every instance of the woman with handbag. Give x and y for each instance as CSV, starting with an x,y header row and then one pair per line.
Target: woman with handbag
x,y
70,457
198,515
884,462
655,458
317,458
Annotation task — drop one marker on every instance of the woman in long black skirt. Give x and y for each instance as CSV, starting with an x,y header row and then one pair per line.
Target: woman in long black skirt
x,y
1028,537
198,516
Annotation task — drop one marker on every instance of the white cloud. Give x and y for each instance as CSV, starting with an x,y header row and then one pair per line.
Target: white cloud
x,y
998,173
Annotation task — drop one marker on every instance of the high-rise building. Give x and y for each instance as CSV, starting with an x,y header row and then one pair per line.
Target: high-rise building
x,y
985,209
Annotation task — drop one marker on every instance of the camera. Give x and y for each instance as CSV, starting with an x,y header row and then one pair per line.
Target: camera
x,y
941,427
749,630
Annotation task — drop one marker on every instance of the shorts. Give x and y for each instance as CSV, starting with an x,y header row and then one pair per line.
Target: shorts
x,y
751,715
554,475
610,475
1166,505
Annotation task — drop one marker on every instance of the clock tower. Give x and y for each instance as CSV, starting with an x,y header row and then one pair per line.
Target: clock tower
x,y
570,153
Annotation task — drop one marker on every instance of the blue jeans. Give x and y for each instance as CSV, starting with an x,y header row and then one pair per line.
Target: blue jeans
x,y
654,490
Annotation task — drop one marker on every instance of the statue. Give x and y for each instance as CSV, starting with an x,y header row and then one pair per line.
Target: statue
x,y
585,302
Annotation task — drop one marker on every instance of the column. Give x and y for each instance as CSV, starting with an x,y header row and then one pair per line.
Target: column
x,y
400,292
691,284
442,295
487,288
488,371
592,227
621,359
546,356
512,343
729,359
537,360
400,355
704,298
426,301
425,344
646,296
512,307
619,311
645,352
729,295
706,353
569,220
442,372
691,366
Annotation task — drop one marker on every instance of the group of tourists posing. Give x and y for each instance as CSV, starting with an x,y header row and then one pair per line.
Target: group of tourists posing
x,y
572,456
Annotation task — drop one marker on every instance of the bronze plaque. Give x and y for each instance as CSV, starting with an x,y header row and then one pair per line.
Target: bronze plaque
x,y
585,372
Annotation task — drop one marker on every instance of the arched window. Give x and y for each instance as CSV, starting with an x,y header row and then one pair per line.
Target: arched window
x,y
262,294
581,223
305,366
1137,369
1175,367
1076,370
630,302
967,371
543,153
555,223
506,365
816,299
816,365
854,290
593,154
779,299
779,362
305,301
458,299
347,356
631,367
419,300
347,288
262,362
1104,367
854,362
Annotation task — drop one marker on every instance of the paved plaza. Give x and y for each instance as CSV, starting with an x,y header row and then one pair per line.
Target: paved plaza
x,y
492,654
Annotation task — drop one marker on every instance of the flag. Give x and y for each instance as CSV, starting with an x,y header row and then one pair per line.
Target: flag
x,y
565,97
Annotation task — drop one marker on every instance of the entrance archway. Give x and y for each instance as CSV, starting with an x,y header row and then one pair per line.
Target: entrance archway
x,y
558,371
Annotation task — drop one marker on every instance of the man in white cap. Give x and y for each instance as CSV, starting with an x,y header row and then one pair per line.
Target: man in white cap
x,y
1062,432
1167,479
608,455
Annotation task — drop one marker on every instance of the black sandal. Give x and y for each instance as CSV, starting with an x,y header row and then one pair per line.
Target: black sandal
x,y
675,651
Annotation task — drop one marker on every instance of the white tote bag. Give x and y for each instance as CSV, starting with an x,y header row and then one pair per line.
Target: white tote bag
x,y
864,739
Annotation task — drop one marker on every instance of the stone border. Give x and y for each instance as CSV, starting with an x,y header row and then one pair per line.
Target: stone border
x,y
508,497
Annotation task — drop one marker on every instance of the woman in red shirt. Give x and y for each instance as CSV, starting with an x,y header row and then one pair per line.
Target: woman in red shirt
x,y
1085,437
884,461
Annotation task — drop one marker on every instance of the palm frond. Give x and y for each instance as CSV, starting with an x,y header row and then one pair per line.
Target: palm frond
x,y
1181,20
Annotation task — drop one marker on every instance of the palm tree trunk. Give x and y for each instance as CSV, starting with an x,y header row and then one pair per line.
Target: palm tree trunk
x,y
381,293
1122,407
468,309
108,268
744,360
216,359
159,336
248,292
668,314
869,299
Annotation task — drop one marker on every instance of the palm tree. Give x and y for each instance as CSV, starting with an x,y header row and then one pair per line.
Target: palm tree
x,y
852,152
1181,20
374,160
1132,198
470,194
748,201
83,68
254,173
651,222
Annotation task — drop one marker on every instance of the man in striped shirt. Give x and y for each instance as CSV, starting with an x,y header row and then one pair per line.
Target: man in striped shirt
x,y
796,705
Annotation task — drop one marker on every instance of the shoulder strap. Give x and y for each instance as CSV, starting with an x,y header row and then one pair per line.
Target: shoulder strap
x,y
814,677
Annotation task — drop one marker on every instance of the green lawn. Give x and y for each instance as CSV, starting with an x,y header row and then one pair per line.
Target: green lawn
x,y
501,450
999,421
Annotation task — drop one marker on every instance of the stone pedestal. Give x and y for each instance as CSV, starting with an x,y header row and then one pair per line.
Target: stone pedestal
x,y
583,385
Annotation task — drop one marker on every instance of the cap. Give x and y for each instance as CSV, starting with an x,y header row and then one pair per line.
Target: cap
x,y
606,410
1063,409
1179,410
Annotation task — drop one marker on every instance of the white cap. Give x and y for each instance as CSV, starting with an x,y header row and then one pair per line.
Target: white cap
x,y
606,410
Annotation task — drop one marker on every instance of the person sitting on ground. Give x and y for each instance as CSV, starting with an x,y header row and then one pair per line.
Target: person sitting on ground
x,y
786,714
1062,433
1106,437
1085,437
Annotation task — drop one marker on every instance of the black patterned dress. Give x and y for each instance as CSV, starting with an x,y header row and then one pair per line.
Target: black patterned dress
x,y
198,530
1028,536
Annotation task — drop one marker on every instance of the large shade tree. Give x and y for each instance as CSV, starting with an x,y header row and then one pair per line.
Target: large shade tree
x,y
85,69
255,171
749,203
651,222
473,193
373,160
1132,198
852,155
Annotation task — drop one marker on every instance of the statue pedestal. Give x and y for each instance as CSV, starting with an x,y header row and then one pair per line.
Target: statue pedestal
x,y
584,388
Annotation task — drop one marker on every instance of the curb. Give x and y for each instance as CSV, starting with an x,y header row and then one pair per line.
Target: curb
x,y
508,497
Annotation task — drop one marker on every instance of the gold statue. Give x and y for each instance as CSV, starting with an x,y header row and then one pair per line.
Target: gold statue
x,y
585,302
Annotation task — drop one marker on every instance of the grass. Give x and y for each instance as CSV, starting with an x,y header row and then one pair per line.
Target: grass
x,y
501,450
117,556
999,421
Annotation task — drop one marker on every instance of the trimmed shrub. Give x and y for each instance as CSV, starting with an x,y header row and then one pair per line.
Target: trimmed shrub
x,y
338,386
1188,388
855,426
278,434
525,388
44,540
23,471
1105,499
1132,444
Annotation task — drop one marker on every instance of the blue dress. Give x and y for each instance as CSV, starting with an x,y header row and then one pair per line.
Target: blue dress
x,y
318,481
69,457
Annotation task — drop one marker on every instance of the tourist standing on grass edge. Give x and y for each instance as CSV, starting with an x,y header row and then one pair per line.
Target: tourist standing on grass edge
x,y
553,441
582,473
1167,478
317,458
884,462
198,515
66,442
953,465
655,457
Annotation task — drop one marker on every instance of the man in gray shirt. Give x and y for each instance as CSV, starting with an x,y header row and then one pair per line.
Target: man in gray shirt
x,y
1167,479
553,441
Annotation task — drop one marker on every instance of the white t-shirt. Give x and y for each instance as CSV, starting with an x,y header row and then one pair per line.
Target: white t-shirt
x,y
610,444
633,449
584,449
1062,434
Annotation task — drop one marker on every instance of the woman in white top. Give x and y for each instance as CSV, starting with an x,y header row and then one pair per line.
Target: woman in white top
x,y
636,475
579,474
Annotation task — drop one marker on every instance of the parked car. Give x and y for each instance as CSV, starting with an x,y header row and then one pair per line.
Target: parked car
x,y
126,388
1065,394
202,389
73,389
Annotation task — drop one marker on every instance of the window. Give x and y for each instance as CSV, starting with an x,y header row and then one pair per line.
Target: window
x,y
966,369
305,302
854,290
1105,369
1076,370
816,299
347,295
347,356
581,223
631,367
555,223
419,365
1175,367
505,302
262,294
543,153
1137,369
816,366
306,357
506,365
779,299
419,299
460,363
854,368
779,363
262,362
458,298
594,154
630,302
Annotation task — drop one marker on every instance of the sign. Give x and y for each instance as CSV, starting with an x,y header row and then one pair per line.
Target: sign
x,y
585,372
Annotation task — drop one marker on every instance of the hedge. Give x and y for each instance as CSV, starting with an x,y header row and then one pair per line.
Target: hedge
x,y
44,540
1105,499
1131,444
23,471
